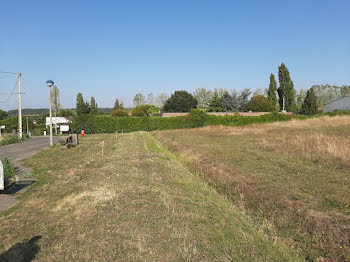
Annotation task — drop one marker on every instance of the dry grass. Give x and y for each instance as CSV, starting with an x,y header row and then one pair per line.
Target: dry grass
x,y
313,146
292,178
138,203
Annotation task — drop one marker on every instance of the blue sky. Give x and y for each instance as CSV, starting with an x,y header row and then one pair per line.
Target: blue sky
x,y
110,49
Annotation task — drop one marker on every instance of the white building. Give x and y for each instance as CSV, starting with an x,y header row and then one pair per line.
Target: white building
x,y
341,104
62,123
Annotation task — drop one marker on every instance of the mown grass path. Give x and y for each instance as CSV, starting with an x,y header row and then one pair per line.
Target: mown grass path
x,y
137,203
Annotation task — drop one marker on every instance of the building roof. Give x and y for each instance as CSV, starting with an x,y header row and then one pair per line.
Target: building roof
x,y
337,99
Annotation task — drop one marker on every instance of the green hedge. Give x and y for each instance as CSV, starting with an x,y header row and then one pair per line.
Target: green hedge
x,y
107,124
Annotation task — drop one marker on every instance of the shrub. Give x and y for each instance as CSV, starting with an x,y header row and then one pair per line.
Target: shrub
x,y
145,110
197,118
9,170
120,112
259,103
11,139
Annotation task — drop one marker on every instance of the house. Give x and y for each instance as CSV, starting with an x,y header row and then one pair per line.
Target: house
x,y
341,104
62,123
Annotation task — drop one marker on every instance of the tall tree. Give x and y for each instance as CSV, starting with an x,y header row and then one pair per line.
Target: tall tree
x,y
180,101
286,89
150,99
258,92
228,102
82,107
203,97
139,100
216,104
3,114
161,99
93,106
309,106
271,92
243,99
300,99
220,91
118,104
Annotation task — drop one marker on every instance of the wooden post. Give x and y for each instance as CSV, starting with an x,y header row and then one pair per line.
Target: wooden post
x,y
103,145
75,139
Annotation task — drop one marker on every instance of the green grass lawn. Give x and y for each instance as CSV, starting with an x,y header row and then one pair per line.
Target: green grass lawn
x,y
136,203
291,178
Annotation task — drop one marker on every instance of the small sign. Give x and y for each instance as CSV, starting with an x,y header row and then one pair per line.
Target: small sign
x,y
2,127
2,178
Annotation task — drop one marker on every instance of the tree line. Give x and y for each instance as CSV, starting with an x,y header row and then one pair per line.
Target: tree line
x,y
274,98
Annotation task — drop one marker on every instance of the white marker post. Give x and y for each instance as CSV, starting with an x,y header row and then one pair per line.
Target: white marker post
x,y
1,127
2,178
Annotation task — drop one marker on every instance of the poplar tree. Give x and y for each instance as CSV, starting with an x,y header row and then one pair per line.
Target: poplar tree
x,y
118,105
82,107
271,93
93,106
286,89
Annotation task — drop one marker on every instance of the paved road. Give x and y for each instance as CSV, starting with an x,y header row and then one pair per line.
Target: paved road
x,y
19,151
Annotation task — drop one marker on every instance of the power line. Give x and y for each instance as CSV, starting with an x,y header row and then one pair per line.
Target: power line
x,y
4,72
12,93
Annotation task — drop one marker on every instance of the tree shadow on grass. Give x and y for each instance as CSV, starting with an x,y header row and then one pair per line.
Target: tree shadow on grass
x,y
22,252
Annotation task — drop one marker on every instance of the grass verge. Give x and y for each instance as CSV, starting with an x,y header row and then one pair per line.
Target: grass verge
x,y
11,139
135,203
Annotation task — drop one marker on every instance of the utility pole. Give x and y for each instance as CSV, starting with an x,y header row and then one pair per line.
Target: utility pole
x,y
20,130
27,126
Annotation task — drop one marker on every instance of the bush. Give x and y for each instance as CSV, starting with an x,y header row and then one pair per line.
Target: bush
x,y
120,112
11,139
39,130
197,118
9,170
259,103
145,110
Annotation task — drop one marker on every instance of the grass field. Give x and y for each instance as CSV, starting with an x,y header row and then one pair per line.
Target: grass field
x,y
135,203
291,178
